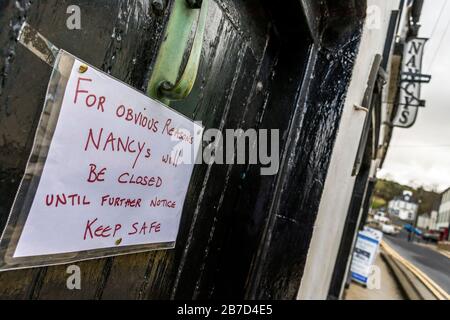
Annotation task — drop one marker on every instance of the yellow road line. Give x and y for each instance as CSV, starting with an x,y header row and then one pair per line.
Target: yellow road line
x,y
440,293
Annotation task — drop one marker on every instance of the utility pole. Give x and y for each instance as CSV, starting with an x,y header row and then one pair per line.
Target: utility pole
x,y
412,234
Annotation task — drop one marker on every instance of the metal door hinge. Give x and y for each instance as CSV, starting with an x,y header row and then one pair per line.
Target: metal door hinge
x,y
169,81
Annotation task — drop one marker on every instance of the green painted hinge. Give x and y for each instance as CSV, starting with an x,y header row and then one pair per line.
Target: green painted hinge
x,y
168,81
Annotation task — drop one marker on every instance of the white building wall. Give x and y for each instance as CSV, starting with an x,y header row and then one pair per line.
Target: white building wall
x,y
339,183
402,209
433,220
443,218
424,222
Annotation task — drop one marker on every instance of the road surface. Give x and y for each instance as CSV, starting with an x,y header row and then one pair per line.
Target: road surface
x,y
432,263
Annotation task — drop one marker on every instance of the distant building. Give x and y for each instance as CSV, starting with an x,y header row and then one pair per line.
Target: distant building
x,y
404,207
443,220
428,221
423,222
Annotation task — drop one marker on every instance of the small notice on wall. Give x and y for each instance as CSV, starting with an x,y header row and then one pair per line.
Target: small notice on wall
x,y
108,174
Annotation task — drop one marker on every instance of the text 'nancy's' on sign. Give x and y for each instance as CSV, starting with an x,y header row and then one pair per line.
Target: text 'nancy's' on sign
x,y
108,174
409,100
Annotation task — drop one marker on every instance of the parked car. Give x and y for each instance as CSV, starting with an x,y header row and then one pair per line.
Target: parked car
x,y
389,229
381,217
431,236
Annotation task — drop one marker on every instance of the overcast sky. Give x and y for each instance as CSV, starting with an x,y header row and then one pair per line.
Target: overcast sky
x,y
421,155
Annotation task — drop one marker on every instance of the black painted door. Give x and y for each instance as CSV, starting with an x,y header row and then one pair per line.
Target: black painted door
x,y
226,207
265,65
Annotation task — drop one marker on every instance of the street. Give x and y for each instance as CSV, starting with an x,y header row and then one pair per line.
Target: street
x,y
431,262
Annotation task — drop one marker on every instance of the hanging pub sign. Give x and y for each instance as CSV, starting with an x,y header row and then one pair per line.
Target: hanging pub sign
x,y
409,100
108,173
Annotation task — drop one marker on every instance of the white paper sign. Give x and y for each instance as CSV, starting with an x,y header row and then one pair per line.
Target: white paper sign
x,y
114,175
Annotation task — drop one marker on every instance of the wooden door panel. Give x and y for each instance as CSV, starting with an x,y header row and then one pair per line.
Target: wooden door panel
x,y
122,38
262,67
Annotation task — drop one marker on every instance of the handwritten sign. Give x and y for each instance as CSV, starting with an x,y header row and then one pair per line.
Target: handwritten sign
x,y
116,173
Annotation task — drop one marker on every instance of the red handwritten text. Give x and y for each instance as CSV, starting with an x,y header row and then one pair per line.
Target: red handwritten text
x,y
111,142
66,200
91,99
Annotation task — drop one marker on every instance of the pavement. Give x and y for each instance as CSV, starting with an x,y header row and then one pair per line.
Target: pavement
x,y
389,289
434,264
